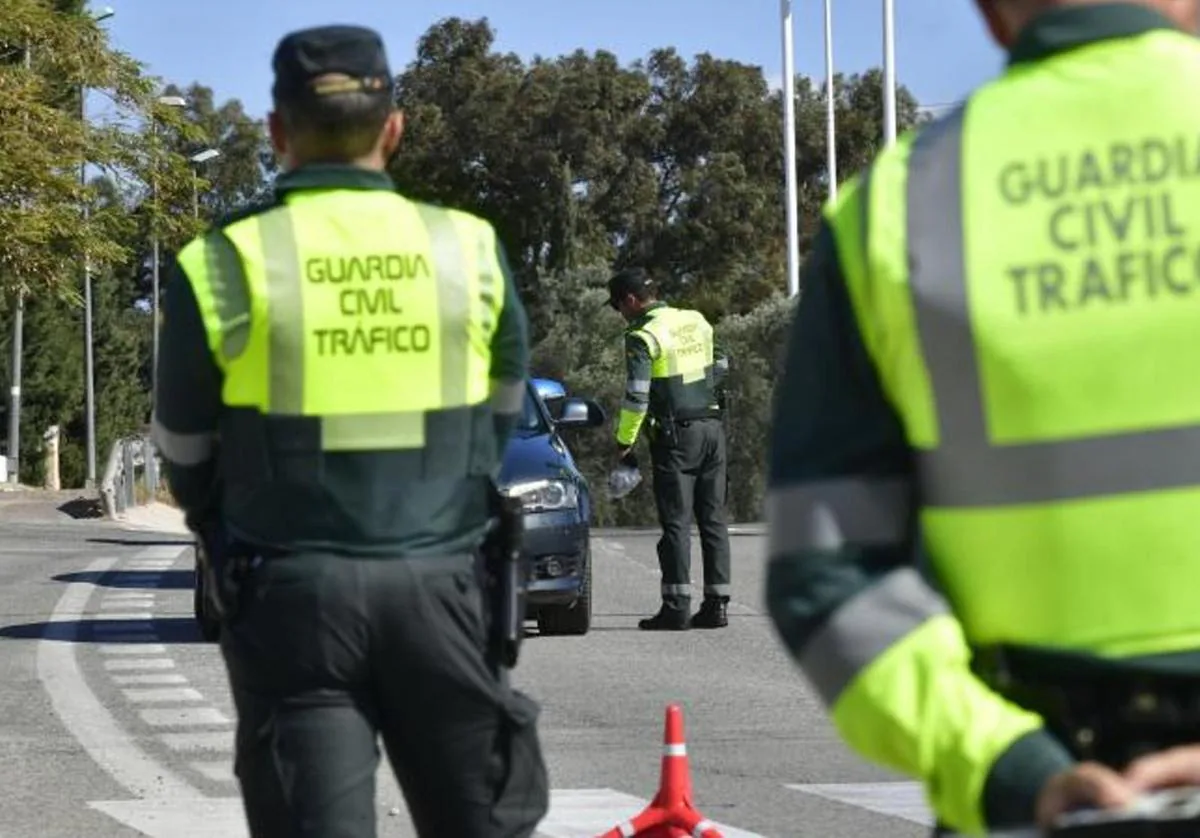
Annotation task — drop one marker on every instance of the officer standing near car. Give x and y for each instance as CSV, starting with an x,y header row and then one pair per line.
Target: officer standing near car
x,y
673,367
984,495
346,364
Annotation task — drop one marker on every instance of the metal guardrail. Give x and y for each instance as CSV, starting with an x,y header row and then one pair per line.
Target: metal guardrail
x,y
132,461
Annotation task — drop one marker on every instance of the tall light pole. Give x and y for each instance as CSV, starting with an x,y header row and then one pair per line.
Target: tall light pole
x,y
18,333
830,109
171,102
89,358
889,72
199,160
789,148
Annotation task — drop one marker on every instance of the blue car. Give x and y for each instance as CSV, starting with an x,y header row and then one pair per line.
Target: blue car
x,y
538,468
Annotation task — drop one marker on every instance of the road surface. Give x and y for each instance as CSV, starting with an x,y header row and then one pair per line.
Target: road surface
x,y
116,719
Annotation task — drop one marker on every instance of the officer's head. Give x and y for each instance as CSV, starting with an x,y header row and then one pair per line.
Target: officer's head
x,y
333,97
1006,18
630,291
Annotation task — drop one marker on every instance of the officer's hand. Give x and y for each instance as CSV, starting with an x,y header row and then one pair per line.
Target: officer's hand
x,y
1175,767
1087,785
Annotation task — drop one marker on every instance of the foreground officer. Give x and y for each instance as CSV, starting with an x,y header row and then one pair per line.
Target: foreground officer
x,y
672,370
985,470
338,344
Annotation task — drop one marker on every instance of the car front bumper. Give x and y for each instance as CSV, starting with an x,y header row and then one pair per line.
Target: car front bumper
x,y
556,546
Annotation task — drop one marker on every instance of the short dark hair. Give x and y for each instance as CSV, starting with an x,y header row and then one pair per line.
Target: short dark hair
x,y
633,280
341,126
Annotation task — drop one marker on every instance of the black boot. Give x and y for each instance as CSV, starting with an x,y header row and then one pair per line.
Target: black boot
x,y
667,619
712,615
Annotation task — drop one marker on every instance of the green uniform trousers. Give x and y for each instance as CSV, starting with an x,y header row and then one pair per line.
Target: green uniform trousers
x,y
327,654
689,479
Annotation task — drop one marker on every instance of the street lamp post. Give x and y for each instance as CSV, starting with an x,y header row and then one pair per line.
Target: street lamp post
x,y
199,160
830,109
89,357
789,148
173,102
889,72
18,333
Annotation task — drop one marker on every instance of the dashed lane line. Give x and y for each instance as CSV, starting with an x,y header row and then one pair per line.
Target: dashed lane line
x,y
134,664
83,714
149,678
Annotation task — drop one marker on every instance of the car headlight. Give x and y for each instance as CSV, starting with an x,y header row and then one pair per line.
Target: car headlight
x,y
544,495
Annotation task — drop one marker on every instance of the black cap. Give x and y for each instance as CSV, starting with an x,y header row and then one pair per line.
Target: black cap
x,y
629,281
352,51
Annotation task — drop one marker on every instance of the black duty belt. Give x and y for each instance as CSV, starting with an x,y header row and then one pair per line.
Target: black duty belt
x,y
1111,714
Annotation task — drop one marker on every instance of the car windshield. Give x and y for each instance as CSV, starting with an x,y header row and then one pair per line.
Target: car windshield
x,y
531,418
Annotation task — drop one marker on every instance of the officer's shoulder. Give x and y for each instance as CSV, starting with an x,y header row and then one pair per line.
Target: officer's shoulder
x,y
461,216
248,211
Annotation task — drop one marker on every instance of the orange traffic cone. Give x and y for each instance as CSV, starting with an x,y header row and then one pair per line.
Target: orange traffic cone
x,y
670,814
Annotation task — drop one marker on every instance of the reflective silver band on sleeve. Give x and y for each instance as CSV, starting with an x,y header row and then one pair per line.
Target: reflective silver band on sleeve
x,y
640,385
635,407
507,395
864,627
828,514
967,469
182,449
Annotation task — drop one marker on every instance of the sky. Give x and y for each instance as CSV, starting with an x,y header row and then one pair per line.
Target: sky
x,y
942,48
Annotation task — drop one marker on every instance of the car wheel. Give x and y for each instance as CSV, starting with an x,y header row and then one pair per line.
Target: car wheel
x,y
208,622
575,618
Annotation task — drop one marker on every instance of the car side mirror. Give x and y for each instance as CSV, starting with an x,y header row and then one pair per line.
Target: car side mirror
x,y
580,413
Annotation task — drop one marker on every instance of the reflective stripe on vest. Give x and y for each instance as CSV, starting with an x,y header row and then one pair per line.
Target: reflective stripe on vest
x,y
967,469
370,351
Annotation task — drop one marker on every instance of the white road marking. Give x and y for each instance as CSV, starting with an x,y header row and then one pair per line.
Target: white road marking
x,y
160,552
152,564
144,601
152,678
82,713
144,648
221,772
124,665
222,741
184,717
585,813
163,694
210,817
904,800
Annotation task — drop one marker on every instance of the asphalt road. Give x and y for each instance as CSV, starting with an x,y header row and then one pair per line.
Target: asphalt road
x,y
115,719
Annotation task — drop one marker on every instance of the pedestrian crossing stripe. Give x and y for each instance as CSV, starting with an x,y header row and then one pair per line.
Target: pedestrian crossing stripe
x,y
903,800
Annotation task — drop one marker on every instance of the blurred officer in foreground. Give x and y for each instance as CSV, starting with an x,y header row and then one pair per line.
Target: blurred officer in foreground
x,y
346,365
672,370
985,471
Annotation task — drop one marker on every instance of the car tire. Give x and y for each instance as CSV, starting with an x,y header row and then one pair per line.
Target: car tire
x,y
573,619
206,620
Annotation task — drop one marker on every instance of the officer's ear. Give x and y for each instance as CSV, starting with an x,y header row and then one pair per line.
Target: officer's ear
x,y
393,130
278,135
997,14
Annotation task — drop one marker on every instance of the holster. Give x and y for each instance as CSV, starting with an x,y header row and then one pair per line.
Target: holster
x,y
505,579
1112,716
226,566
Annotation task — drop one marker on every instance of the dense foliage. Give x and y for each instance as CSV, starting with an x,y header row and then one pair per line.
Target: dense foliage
x,y
582,162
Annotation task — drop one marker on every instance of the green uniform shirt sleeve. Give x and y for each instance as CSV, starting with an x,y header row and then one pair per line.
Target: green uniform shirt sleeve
x,y
847,594
636,402
187,402
510,356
